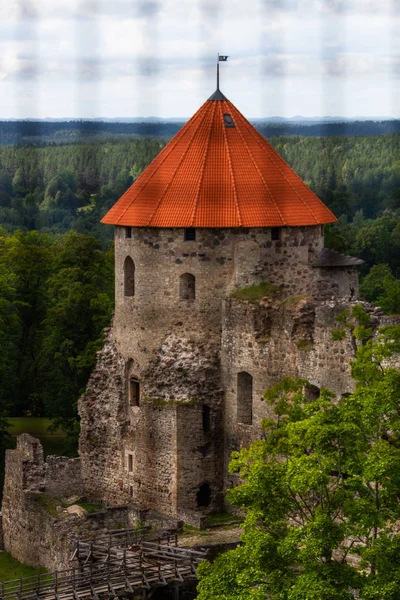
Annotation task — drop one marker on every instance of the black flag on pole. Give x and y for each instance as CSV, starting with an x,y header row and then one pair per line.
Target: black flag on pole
x,y
220,57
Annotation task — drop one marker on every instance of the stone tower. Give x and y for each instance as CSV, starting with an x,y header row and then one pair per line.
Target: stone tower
x,y
178,384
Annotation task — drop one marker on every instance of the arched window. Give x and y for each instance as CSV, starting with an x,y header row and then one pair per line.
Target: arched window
x,y
187,286
129,277
203,496
244,398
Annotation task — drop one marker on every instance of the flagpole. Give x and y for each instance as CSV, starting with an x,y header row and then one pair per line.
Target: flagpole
x,y
218,71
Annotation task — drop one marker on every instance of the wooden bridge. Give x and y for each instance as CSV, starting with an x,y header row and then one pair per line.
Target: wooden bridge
x,y
123,564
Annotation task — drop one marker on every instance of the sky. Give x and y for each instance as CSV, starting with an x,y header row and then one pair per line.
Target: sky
x,y
131,58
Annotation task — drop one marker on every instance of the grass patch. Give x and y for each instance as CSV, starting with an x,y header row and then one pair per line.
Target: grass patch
x,y
53,443
222,518
10,568
190,529
304,345
91,507
32,425
256,292
50,505
291,301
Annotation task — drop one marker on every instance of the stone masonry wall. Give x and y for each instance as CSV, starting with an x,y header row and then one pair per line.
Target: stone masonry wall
x,y
141,454
157,454
31,533
270,340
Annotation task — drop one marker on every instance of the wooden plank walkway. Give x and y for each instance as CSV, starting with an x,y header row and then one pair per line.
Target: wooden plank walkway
x,y
120,564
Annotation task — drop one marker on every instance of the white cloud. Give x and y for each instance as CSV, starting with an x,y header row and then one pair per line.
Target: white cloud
x,y
168,47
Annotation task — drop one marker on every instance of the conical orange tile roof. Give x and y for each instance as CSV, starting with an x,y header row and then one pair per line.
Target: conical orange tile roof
x,y
218,171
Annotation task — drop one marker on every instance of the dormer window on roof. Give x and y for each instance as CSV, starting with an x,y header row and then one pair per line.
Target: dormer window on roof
x,y
228,120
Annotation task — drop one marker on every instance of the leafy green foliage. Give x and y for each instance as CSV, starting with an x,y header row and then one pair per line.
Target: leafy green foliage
x,y
57,188
56,296
320,493
381,287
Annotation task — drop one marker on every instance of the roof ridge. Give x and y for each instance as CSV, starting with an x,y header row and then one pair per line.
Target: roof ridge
x,y
175,140
259,172
235,195
174,173
250,129
202,168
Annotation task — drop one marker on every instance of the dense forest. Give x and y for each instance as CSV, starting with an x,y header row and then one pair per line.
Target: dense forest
x,y
56,267
19,132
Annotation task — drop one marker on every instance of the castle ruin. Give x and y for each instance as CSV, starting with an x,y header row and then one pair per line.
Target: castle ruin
x,y
222,287
179,382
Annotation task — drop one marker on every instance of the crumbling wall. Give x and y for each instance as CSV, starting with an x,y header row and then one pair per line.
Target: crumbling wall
x,y
32,534
272,339
146,454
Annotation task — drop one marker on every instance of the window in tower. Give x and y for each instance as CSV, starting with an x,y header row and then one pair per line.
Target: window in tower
x,y
275,234
129,277
228,121
128,232
187,287
206,419
130,463
244,409
322,230
134,392
190,234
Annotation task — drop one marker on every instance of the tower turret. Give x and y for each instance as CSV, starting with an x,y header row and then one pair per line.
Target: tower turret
x,y
216,211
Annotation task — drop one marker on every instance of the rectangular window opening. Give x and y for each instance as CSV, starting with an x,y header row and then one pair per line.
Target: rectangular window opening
x,y
190,234
130,463
275,234
131,491
128,232
134,392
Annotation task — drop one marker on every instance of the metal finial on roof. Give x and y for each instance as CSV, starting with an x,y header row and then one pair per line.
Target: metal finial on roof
x,y
223,58
218,95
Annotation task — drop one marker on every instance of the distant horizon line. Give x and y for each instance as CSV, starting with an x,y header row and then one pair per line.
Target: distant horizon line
x,y
295,118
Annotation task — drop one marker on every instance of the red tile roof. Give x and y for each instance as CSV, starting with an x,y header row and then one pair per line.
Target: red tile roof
x,y
214,175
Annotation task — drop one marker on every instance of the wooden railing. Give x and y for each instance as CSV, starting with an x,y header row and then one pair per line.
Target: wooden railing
x,y
107,569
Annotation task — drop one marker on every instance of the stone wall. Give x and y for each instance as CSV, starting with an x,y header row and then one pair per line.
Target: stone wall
x,y
272,339
159,376
31,533
221,260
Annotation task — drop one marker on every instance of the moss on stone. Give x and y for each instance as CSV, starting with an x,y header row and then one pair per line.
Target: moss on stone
x,y
292,301
91,507
50,505
253,293
304,345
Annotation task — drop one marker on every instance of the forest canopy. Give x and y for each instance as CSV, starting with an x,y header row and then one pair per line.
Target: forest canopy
x,y
56,271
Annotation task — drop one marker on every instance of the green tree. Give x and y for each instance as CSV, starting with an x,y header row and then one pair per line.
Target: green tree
x,y
320,493
372,285
80,302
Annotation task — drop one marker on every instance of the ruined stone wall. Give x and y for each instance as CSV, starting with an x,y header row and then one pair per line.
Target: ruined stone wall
x,y
105,430
335,282
148,452
270,340
31,533
155,455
